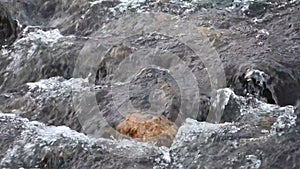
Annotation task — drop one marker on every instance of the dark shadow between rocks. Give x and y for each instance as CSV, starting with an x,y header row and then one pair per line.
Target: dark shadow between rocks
x,y
8,27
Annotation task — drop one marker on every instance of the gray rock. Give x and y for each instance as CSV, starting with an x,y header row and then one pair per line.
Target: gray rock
x,y
82,18
33,145
38,54
260,136
256,137
48,101
73,64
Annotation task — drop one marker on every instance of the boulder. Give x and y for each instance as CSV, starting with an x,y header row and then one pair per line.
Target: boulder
x,y
250,134
38,54
48,101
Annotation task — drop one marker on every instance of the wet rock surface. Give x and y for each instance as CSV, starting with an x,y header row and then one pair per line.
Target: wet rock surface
x,y
73,72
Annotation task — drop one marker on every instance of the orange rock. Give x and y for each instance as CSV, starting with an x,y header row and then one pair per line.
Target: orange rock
x,y
148,128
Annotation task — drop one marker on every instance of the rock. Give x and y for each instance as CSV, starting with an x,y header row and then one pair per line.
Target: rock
x,y
260,136
33,145
214,35
252,140
78,17
168,81
256,9
283,82
224,99
48,101
109,64
228,107
258,84
146,127
88,65
38,54
155,90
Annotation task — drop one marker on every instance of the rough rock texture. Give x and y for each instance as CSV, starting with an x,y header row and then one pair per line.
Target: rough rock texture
x,y
33,145
48,101
253,141
148,128
38,54
88,64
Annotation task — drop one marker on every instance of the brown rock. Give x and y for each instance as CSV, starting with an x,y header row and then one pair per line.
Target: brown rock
x,y
148,128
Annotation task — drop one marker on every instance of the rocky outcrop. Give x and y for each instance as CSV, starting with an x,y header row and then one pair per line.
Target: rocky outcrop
x,y
263,136
260,136
38,54
33,145
242,35
48,101
73,72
